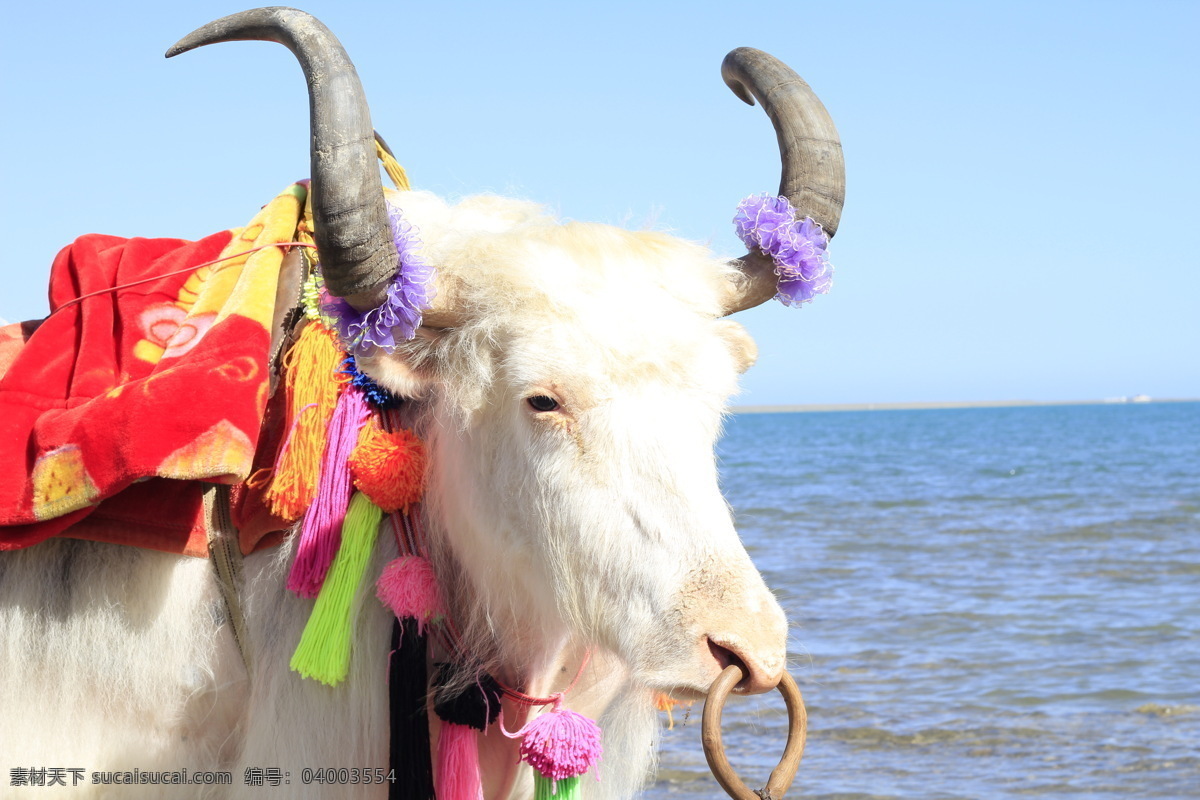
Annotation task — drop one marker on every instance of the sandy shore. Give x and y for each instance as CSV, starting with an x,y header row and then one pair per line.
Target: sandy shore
x,y
949,404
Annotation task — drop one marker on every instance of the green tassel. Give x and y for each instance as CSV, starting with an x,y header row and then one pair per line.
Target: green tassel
x,y
324,650
544,788
311,296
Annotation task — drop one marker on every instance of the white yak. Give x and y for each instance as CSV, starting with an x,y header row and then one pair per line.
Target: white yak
x,y
570,386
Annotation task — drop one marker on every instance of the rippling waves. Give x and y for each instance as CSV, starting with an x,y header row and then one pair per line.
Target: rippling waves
x,y
986,603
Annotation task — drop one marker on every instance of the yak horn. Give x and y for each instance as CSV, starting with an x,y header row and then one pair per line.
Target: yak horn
x,y
814,172
358,258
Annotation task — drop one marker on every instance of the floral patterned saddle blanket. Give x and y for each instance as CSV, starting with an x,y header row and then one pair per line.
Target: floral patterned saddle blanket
x,y
150,379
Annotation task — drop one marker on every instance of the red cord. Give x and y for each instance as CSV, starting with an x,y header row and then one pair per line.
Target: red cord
x,y
193,268
526,700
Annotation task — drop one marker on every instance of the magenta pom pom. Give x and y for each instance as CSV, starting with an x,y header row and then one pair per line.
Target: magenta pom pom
x,y
561,744
410,589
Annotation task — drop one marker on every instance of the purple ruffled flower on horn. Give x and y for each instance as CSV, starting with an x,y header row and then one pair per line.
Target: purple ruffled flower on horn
x,y
797,247
410,293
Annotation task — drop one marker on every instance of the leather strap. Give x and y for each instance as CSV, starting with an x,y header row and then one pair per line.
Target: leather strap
x,y
225,554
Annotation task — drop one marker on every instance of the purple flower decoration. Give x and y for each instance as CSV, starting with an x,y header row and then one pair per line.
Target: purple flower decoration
x,y
410,293
797,247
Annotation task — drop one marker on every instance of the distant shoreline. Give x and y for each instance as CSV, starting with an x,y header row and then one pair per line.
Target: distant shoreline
x,y
767,409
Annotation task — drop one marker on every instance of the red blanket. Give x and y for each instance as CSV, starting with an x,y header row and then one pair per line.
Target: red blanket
x,y
116,407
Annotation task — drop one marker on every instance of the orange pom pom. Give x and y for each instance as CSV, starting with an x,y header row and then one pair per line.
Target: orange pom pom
x,y
388,466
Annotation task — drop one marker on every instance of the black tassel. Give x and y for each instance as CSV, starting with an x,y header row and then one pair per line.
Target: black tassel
x,y
471,704
408,683
477,704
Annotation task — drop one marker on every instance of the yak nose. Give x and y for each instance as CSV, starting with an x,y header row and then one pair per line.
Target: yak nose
x,y
736,620
762,670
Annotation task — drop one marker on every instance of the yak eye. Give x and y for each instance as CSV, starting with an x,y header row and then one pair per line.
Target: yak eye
x,y
542,403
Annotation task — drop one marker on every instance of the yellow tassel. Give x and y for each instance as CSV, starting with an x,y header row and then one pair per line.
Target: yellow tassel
x,y
312,381
392,167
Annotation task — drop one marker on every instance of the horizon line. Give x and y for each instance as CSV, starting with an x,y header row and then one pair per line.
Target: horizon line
x,y
943,404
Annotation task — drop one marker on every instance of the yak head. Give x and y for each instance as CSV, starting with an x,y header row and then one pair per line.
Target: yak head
x,y
570,382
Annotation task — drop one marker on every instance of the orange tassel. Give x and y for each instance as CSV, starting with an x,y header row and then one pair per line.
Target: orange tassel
x,y
664,702
388,467
312,382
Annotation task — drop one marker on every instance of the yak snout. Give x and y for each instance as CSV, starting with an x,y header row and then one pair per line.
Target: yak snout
x,y
734,619
761,674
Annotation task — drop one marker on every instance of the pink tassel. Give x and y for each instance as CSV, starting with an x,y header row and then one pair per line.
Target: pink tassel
x,y
464,713
321,532
457,776
410,589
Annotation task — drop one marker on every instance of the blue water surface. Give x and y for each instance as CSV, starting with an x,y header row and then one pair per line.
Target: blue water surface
x,y
986,603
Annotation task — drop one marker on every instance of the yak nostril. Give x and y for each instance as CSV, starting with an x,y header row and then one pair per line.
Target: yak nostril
x,y
725,657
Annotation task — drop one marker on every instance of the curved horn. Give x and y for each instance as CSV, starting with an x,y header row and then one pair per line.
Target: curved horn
x,y
358,258
814,172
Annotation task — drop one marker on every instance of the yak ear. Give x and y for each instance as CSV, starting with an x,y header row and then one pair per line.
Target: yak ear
x,y
404,373
740,342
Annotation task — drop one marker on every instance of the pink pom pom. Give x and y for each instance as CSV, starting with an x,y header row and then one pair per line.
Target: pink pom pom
x,y
410,589
561,744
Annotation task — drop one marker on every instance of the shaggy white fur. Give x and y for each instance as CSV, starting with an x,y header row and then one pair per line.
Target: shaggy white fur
x,y
596,525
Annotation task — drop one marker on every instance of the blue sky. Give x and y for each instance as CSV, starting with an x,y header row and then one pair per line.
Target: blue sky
x,y
1021,205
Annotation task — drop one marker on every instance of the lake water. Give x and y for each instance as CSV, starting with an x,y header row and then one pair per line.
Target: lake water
x,y
986,603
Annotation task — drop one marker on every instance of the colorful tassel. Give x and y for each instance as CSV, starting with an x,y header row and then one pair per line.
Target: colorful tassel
x,y
312,386
410,589
388,466
310,293
407,684
476,706
321,532
324,650
560,746
463,714
456,775
664,702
